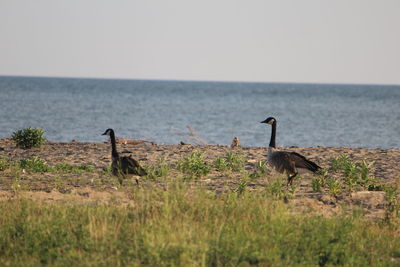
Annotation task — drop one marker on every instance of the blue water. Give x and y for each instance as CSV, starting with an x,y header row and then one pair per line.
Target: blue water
x,y
307,114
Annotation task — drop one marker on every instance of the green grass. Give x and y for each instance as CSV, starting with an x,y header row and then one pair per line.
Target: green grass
x,y
352,176
67,168
29,137
161,170
356,175
230,162
194,165
4,164
188,227
34,164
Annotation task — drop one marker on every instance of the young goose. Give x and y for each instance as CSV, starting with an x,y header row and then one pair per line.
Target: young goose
x,y
122,166
290,162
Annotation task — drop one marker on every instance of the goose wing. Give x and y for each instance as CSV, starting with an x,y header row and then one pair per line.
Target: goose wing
x,y
302,162
132,166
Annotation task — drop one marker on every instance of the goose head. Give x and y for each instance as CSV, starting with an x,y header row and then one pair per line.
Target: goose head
x,y
108,132
269,120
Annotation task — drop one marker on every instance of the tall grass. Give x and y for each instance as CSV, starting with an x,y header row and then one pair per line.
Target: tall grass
x,y
184,226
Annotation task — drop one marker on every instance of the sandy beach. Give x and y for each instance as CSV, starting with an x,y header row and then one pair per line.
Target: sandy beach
x,y
95,186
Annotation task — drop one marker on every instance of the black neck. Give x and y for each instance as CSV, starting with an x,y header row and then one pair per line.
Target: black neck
x,y
114,152
273,134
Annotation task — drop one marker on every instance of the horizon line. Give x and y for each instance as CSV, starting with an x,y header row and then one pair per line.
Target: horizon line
x,y
194,80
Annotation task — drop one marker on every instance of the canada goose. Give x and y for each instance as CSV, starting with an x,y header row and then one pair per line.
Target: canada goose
x,y
290,162
122,166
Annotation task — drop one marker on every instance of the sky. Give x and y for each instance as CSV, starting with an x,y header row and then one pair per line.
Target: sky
x,y
312,41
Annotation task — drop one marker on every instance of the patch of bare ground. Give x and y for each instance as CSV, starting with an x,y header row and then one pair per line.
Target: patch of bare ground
x,y
99,187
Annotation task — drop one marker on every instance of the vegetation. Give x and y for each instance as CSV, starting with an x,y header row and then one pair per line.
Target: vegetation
x,y
355,174
67,168
28,137
194,166
178,224
34,164
393,205
4,164
188,227
162,169
230,162
352,176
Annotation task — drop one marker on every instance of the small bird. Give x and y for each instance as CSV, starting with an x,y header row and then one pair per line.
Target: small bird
x,y
235,142
284,161
123,166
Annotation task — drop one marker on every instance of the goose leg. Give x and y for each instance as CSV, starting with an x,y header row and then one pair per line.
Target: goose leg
x,y
290,178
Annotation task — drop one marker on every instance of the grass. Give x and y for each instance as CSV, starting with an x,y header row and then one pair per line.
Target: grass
x,y
356,175
36,164
67,168
194,165
183,226
230,162
28,137
179,225
352,176
162,169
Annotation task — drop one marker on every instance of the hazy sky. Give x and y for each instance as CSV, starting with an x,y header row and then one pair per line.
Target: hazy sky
x,y
329,41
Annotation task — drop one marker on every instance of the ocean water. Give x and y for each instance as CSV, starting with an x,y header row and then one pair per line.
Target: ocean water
x,y
307,114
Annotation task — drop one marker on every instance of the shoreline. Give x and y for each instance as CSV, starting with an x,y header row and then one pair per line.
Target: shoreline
x,y
96,187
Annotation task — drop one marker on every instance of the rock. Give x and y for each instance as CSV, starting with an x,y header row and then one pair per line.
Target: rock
x,y
328,199
368,199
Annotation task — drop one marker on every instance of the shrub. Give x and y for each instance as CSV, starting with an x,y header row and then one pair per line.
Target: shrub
x,y
194,165
28,137
34,164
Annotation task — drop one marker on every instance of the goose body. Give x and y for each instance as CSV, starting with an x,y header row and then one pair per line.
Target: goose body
x,y
285,161
123,166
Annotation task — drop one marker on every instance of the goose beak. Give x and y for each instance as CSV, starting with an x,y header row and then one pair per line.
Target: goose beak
x,y
104,133
264,121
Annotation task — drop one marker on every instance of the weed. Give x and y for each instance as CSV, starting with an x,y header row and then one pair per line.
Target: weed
x,y
262,167
235,161
355,174
67,168
317,184
4,164
339,163
393,206
260,171
34,164
16,185
277,189
334,187
28,137
162,169
220,164
194,165
241,188
106,170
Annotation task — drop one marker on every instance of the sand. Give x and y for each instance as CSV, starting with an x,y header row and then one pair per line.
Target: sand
x,y
97,187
